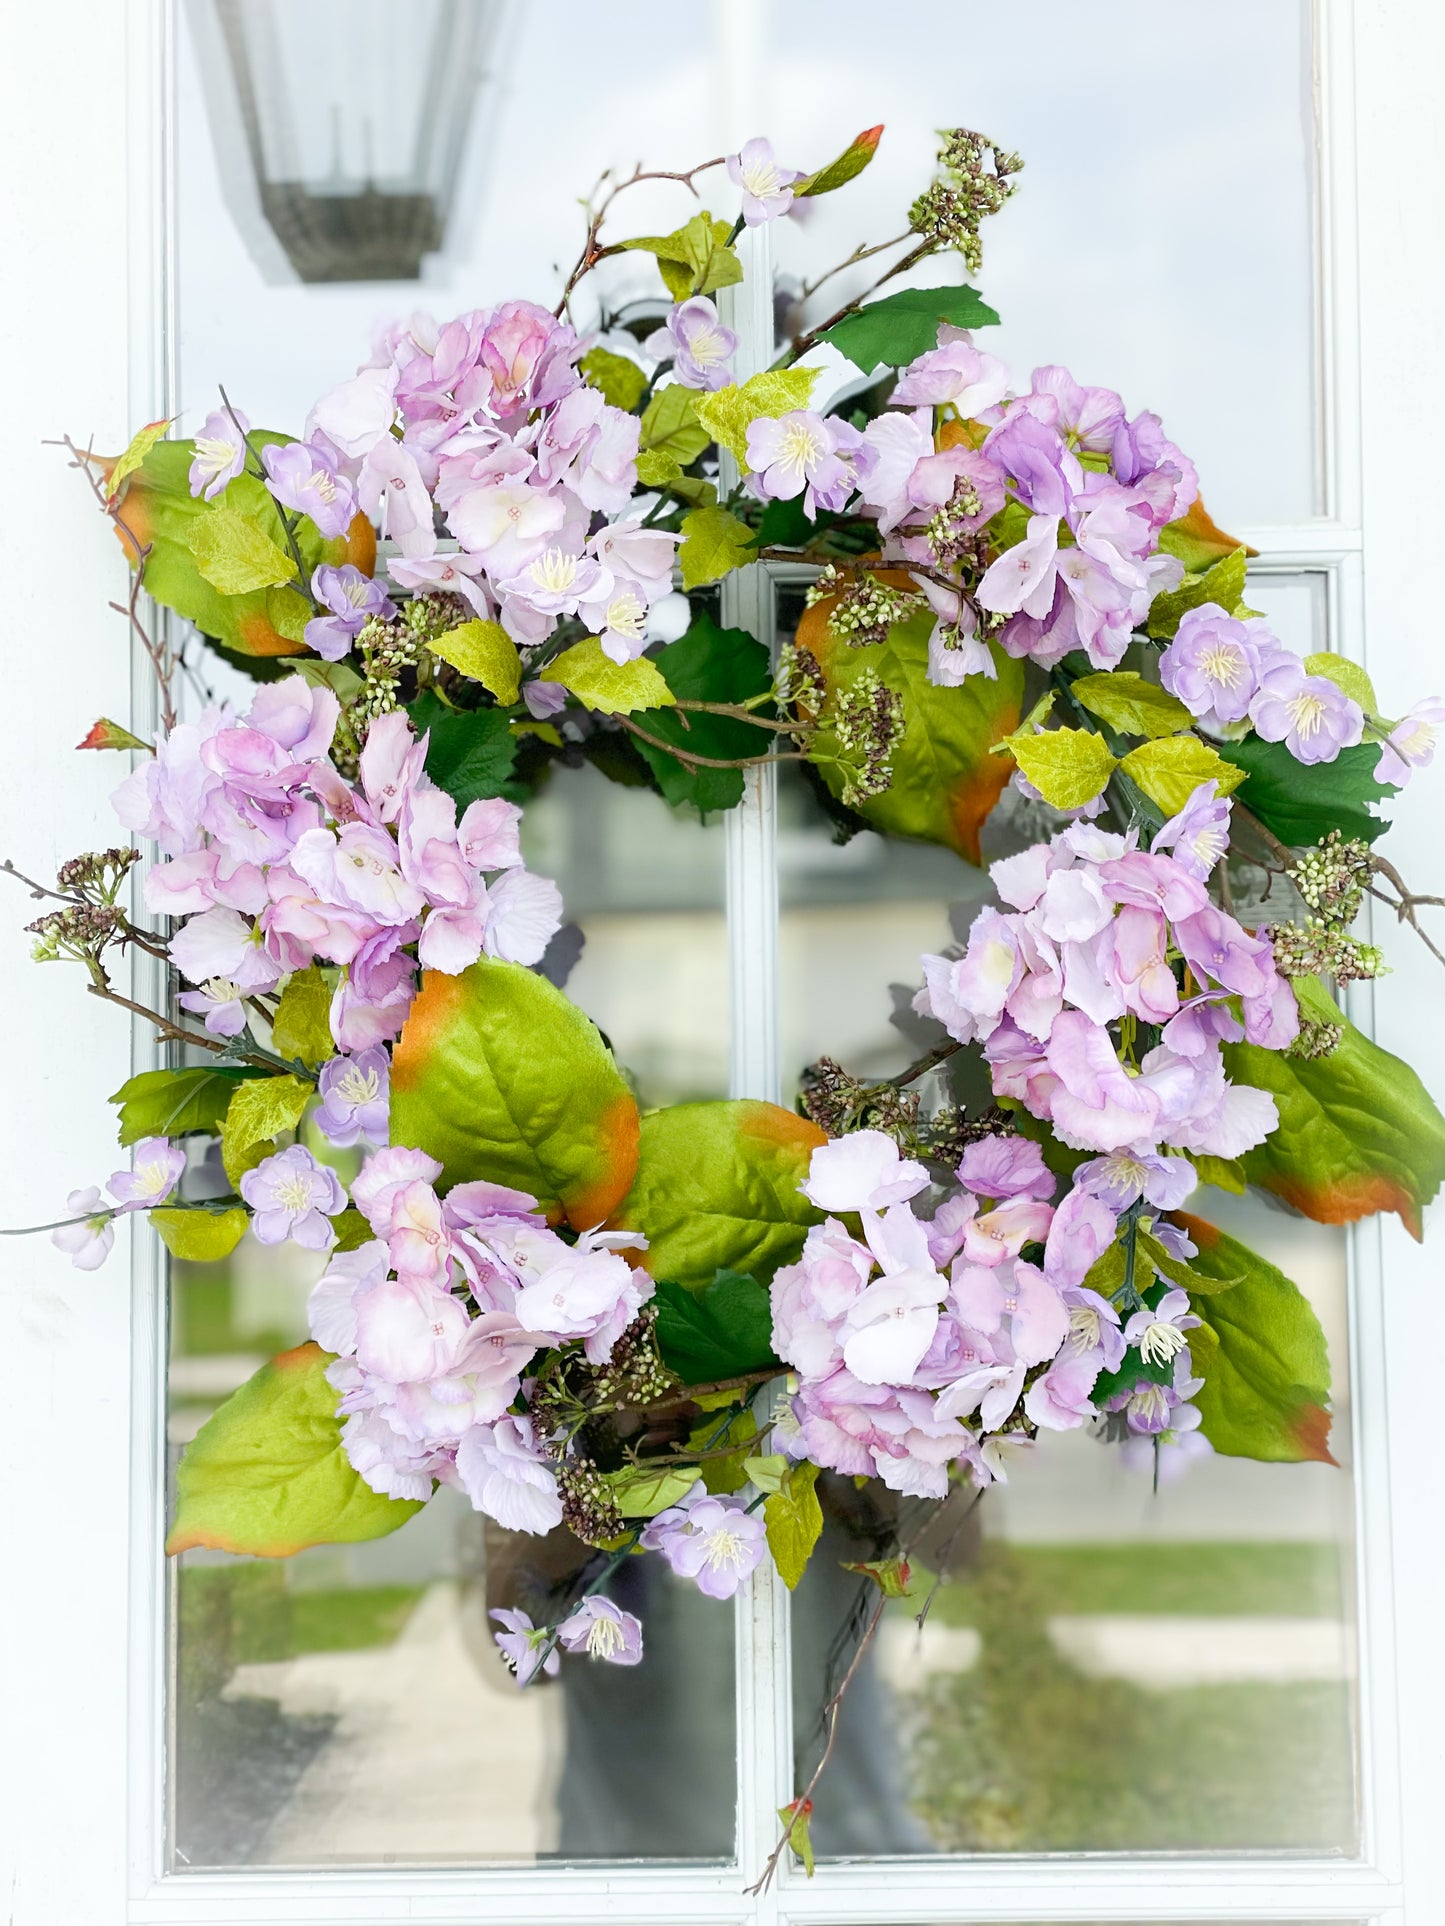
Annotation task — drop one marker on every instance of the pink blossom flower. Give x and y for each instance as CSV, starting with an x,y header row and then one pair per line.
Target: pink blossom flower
x,y
506,1476
524,1646
697,344
767,187
303,477
863,1170
956,373
293,1197
220,453
87,1243
716,1542
156,1168
802,453
603,1631
1410,744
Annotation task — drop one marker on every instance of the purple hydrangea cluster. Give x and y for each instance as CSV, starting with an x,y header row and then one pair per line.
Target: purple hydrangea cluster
x,y
1100,932
435,1320
276,862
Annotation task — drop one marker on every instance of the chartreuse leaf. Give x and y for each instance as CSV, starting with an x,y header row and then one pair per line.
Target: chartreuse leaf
x,y
796,1818
235,554
767,1474
498,1076
1358,1131
301,1027
266,1474
794,1521
724,1330
708,664
259,1111
485,652
201,1236
470,752
1176,1271
894,331
670,425
656,468
1222,583
174,1103
1225,1173
696,259
1170,769
1300,802
642,1491
105,734
352,1230
1197,541
1068,767
1130,704
1346,675
139,446
848,166
161,515
1262,1356
714,543
944,780
620,382
727,413
616,688
717,1189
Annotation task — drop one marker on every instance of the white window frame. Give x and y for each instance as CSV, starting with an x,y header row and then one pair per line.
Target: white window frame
x,y
82,1822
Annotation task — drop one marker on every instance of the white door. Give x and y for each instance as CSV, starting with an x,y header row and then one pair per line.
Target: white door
x,y
1220,1703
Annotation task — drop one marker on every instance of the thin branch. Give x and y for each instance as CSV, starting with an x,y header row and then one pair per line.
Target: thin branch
x,y
690,759
591,253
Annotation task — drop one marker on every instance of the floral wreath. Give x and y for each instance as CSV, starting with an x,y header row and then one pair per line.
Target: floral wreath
x,y
655,1331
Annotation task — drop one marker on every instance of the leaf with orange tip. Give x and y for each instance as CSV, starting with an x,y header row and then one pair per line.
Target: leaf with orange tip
x,y
106,734
119,472
266,1474
847,167
499,1077
1262,1356
1197,541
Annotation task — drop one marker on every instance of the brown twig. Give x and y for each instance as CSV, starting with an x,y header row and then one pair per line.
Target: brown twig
x,y
591,253
690,759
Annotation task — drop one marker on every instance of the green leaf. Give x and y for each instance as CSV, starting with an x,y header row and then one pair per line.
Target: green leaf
x,y
727,413
266,1475
848,166
656,468
794,1521
174,1103
642,1491
1262,1356
892,332
620,382
892,1576
708,664
1108,1270
796,1819
717,1189
288,613
670,425
1068,767
236,555
301,1027
1225,1173
1347,676
471,751
105,734
485,652
724,1330
259,1111
1197,541
616,688
1170,769
202,1236
945,781
1177,1272
1222,583
767,1474
352,1230
342,680
1300,802
498,1076
1130,704
696,259
139,446
1358,1131
714,543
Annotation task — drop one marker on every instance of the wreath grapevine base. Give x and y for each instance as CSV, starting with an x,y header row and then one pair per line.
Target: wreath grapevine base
x,y
654,1331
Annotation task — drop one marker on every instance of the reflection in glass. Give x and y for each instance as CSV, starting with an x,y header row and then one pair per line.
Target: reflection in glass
x,y
348,1706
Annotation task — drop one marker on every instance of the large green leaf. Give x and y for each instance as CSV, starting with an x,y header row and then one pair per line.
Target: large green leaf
x,y
1262,1356
722,1331
1358,1131
717,1189
895,330
1301,801
173,1103
498,1076
266,1474
945,782
471,751
708,664
159,510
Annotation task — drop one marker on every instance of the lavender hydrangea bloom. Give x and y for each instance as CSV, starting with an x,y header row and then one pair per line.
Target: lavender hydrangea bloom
x,y
220,453
716,1542
86,1244
154,1173
1003,1167
293,1197
305,478
602,1631
697,344
352,599
1309,714
767,188
1214,664
355,1098
522,1644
